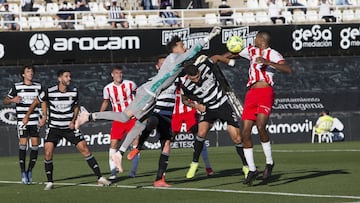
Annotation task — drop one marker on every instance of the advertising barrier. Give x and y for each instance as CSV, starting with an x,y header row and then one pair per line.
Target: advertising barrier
x,y
134,45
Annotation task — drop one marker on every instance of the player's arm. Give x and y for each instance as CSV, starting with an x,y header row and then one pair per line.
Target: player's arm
x,y
76,113
281,66
223,59
44,114
188,102
12,97
104,105
33,105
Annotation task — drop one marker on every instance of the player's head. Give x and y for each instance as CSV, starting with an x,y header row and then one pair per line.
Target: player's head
x,y
160,60
28,72
117,74
325,112
64,77
192,72
263,39
175,45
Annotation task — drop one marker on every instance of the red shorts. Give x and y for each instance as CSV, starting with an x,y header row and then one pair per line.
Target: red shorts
x,y
119,129
258,101
189,118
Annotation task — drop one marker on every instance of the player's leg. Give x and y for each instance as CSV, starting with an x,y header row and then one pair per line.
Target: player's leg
x,y
205,156
151,124
165,135
112,150
261,122
204,127
81,145
234,133
22,153
33,154
248,151
135,160
49,166
135,131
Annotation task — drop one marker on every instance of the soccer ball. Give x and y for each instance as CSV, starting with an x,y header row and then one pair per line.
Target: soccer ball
x,y
235,44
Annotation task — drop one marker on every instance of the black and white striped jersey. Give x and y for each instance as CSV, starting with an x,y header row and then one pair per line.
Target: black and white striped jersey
x,y
165,102
208,90
28,94
60,105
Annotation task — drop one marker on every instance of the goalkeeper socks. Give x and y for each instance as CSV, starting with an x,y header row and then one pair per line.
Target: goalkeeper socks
x,y
205,156
33,157
93,165
163,163
267,151
240,151
198,146
22,157
49,167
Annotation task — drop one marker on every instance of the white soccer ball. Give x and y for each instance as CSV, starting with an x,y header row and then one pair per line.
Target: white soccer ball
x,y
235,44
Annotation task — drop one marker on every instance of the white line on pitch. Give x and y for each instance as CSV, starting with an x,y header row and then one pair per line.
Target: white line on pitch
x,y
202,190
314,150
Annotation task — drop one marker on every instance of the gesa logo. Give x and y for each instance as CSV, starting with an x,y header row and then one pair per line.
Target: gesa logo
x,y
314,37
96,43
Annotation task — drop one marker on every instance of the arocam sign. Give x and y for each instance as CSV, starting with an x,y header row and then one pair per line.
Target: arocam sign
x,y
96,43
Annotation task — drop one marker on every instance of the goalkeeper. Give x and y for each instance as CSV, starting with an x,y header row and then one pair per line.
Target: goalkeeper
x,y
146,94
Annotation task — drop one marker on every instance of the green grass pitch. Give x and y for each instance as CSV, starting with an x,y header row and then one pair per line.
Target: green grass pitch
x,y
303,173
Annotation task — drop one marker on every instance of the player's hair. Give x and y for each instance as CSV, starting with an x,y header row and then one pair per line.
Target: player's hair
x,y
191,69
62,71
117,68
265,35
161,56
172,43
27,67
326,111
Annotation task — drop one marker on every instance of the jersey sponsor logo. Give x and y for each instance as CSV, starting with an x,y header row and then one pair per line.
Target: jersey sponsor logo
x,y
350,37
315,37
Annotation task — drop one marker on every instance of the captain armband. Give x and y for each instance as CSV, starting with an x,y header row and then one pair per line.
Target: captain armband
x,y
231,62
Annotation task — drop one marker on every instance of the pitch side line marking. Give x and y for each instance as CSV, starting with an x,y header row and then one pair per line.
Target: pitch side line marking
x,y
314,150
201,190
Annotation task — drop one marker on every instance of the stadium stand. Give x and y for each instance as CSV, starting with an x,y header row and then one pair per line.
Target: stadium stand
x,y
245,12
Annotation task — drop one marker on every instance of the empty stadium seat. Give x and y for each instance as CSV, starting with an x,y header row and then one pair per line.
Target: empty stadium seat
x,y
13,7
237,18
34,22
288,16
23,22
249,18
348,15
101,21
299,16
357,14
254,4
47,22
263,4
211,19
52,8
312,16
140,20
262,17
155,20
94,7
88,21
338,15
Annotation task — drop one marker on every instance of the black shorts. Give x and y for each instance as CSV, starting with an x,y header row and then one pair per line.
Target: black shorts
x,y
223,113
28,131
164,126
54,135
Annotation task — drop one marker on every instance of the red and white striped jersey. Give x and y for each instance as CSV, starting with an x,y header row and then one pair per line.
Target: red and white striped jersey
x,y
258,71
121,95
180,107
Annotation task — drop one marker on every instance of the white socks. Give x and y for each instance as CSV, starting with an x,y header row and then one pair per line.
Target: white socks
x,y
267,151
111,163
249,156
